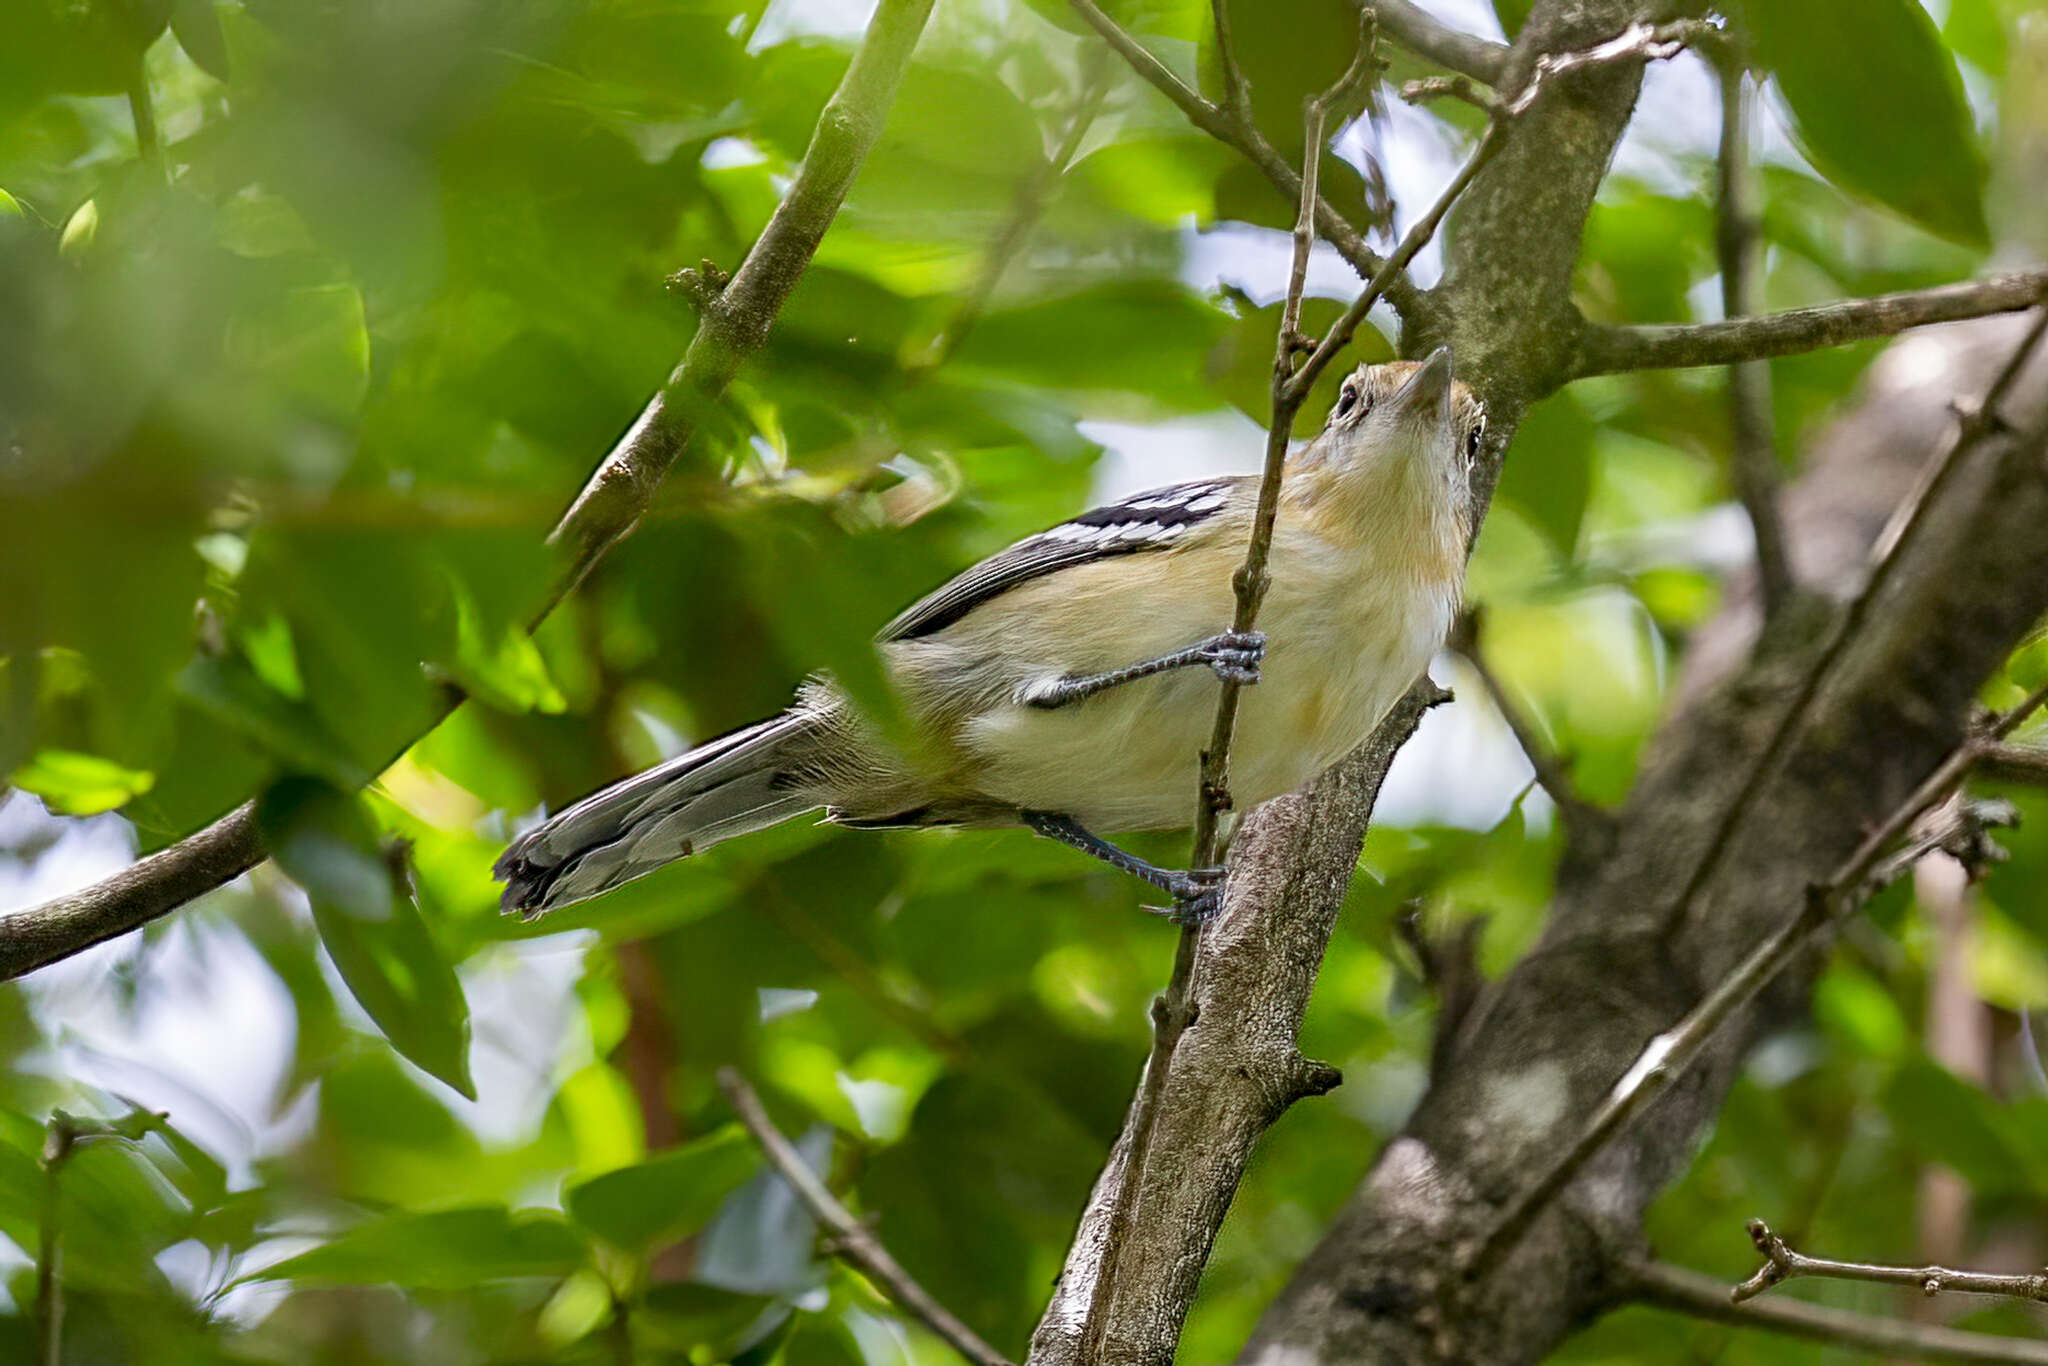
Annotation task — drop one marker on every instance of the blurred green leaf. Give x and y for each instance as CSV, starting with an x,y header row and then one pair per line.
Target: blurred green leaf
x,y
449,1250
227,688
326,841
74,784
1548,473
1878,105
667,1197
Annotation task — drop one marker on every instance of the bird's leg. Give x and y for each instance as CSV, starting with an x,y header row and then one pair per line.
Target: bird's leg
x,y
1197,893
1234,655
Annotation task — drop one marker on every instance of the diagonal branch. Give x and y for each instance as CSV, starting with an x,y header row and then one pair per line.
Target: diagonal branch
x,y
735,324
1422,33
1783,1263
1754,454
852,1241
1609,350
1689,1292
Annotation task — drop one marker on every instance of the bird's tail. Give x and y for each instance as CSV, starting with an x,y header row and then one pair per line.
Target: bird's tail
x,y
730,786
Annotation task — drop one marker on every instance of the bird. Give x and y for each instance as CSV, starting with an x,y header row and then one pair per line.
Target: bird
x,y
1068,683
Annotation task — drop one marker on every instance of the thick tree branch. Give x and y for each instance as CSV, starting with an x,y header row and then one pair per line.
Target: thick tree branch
x,y
735,325
1754,456
852,1240
1783,1263
1545,1043
1237,1067
1615,350
1422,33
1689,1292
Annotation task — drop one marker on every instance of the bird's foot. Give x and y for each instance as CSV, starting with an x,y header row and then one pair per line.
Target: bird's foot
x,y
1197,896
1235,655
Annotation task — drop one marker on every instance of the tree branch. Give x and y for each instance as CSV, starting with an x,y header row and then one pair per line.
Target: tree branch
x,y
1610,350
1422,33
852,1241
1689,1292
1754,456
2009,763
1238,1065
1668,1055
733,327
1782,1263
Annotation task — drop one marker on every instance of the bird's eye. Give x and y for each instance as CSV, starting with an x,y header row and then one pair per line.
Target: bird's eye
x,y
1472,443
1347,400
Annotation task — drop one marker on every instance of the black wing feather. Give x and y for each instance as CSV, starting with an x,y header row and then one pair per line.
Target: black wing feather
x,y
1153,520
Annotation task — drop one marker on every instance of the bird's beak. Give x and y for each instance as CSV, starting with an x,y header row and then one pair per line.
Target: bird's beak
x,y
1426,397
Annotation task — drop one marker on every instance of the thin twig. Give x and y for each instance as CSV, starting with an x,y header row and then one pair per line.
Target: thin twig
x,y
1583,820
1690,1292
1171,1014
1237,94
1609,350
1638,42
1782,1263
1243,136
735,325
1755,456
1669,1054
57,1147
852,1240
142,109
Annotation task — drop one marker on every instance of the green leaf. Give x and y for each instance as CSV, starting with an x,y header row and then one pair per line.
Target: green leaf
x,y
1548,474
326,840
1512,14
667,1197
1878,105
73,784
447,1250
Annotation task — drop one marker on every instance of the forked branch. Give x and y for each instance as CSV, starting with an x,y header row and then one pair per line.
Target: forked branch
x,y
1690,1292
1783,1263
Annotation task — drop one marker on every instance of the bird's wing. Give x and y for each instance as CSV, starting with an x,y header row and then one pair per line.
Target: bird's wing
x,y
1154,520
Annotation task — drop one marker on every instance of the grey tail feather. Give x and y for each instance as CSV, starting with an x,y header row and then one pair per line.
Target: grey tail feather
x,y
730,786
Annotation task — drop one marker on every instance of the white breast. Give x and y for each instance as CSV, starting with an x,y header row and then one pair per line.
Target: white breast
x,y
1348,634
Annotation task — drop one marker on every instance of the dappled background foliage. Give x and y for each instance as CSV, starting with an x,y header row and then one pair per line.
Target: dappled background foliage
x,y
291,389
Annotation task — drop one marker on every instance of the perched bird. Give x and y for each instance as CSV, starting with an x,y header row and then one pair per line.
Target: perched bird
x,y
1067,684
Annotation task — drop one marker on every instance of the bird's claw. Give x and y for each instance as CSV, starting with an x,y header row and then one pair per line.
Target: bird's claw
x,y
1197,896
1236,655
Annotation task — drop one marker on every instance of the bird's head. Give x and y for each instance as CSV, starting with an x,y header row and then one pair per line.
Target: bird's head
x,y
1404,417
